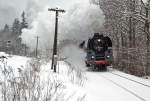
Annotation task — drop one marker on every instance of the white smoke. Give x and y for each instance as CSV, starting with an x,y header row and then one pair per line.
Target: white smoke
x,y
78,23
144,1
76,57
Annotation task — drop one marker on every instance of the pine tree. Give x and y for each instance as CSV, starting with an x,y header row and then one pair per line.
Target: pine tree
x,y
16,26
6,28
24,23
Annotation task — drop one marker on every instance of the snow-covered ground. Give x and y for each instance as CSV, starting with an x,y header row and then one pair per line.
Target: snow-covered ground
x,y
79,85
104,86
62,86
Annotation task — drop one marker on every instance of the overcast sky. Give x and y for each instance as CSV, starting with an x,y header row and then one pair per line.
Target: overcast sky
x,y
10,9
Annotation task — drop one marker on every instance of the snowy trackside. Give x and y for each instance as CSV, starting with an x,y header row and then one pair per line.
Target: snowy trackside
x,y
104,86
26,78
72,84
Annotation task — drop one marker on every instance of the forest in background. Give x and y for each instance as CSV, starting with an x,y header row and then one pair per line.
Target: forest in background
x,y
10,40
127,23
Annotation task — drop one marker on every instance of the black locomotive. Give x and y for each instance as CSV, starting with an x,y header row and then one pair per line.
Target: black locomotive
x,y
99,52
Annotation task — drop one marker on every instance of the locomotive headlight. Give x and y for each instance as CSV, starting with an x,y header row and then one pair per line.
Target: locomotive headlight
x,y
93,57
108,56
99,40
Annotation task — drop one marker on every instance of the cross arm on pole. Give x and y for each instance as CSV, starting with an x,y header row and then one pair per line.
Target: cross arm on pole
x,y
56,9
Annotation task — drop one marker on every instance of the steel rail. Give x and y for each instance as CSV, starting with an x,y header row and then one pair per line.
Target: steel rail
x,y
131,92
130,79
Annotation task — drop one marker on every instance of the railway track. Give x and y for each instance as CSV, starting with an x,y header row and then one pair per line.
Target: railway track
x,y
130,79
127,90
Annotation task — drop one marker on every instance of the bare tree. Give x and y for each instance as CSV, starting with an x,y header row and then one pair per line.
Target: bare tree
x,y
126,22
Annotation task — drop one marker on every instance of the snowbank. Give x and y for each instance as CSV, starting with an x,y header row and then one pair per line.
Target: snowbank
x,y
39,81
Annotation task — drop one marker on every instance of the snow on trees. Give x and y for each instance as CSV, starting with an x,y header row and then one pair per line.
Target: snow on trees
x,y
126,21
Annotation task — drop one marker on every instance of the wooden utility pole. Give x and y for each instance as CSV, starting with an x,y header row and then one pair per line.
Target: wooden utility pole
x,y
37,42
25,50
54,57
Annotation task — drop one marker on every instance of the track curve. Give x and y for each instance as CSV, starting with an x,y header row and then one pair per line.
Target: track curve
x,y
131,92
130,79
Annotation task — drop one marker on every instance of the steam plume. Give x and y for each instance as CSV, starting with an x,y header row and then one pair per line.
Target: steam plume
x,y
78,23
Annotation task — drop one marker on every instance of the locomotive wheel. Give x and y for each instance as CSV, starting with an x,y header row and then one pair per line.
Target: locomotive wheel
x,y
93,67
104,67
87,65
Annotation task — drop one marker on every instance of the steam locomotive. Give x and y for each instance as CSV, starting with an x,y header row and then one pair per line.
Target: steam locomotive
x,y
99,52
